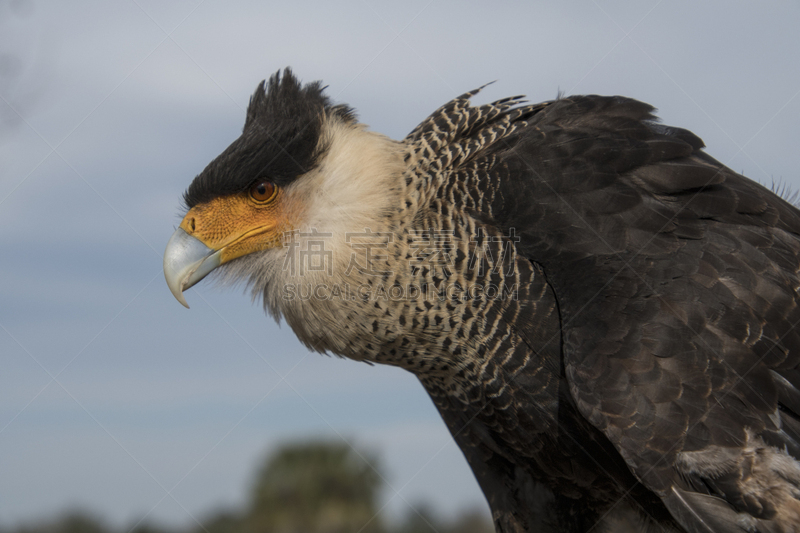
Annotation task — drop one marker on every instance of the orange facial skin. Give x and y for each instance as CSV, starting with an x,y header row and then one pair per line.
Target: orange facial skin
x,y
237,224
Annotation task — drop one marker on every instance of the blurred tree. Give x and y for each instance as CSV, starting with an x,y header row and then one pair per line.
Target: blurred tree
x,y
315,488
16,33
221,522
471,522
147,527
420,519
72,522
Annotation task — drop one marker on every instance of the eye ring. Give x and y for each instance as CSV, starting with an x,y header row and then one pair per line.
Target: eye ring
x,y
263,191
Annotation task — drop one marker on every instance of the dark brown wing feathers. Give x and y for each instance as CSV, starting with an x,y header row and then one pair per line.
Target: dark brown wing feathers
x,y
676,282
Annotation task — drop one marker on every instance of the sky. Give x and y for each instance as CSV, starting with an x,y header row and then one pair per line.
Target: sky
x,y
116,399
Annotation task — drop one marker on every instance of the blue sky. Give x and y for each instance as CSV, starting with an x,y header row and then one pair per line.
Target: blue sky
x,y
115,398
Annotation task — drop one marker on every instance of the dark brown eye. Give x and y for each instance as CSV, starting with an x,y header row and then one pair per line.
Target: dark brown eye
x,y
262,191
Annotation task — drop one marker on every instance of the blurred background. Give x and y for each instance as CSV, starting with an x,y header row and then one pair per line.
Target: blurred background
x,y
121,410
303,487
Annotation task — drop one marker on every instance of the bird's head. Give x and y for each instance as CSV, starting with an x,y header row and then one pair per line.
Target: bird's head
x,y
301,167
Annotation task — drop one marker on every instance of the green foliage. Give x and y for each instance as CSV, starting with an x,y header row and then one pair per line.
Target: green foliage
x,y
72,522
422,519
148,527
316,487
222,522
472,522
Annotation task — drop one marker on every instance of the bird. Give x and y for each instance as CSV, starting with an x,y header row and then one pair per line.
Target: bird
x,y
604,315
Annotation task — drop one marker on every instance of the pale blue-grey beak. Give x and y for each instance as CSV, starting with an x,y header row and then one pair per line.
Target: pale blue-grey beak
x,y
187,261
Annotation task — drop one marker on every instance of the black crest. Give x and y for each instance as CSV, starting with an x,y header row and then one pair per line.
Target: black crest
x,y
280,141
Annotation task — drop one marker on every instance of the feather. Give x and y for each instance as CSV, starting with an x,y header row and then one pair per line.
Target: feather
x,y
607,323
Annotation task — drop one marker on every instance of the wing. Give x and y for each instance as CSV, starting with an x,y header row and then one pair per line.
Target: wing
x,y
676,285
542,466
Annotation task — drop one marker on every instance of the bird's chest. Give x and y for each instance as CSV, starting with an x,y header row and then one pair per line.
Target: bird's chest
x,y
437,297
431,296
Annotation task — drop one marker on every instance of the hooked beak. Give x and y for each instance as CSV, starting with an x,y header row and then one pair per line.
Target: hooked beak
x,y
186,262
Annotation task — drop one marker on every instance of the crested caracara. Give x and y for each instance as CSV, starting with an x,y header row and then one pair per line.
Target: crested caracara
x,y
604,315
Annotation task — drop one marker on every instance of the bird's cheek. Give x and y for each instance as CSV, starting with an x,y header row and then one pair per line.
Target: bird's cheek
x,y
234,226
253,243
